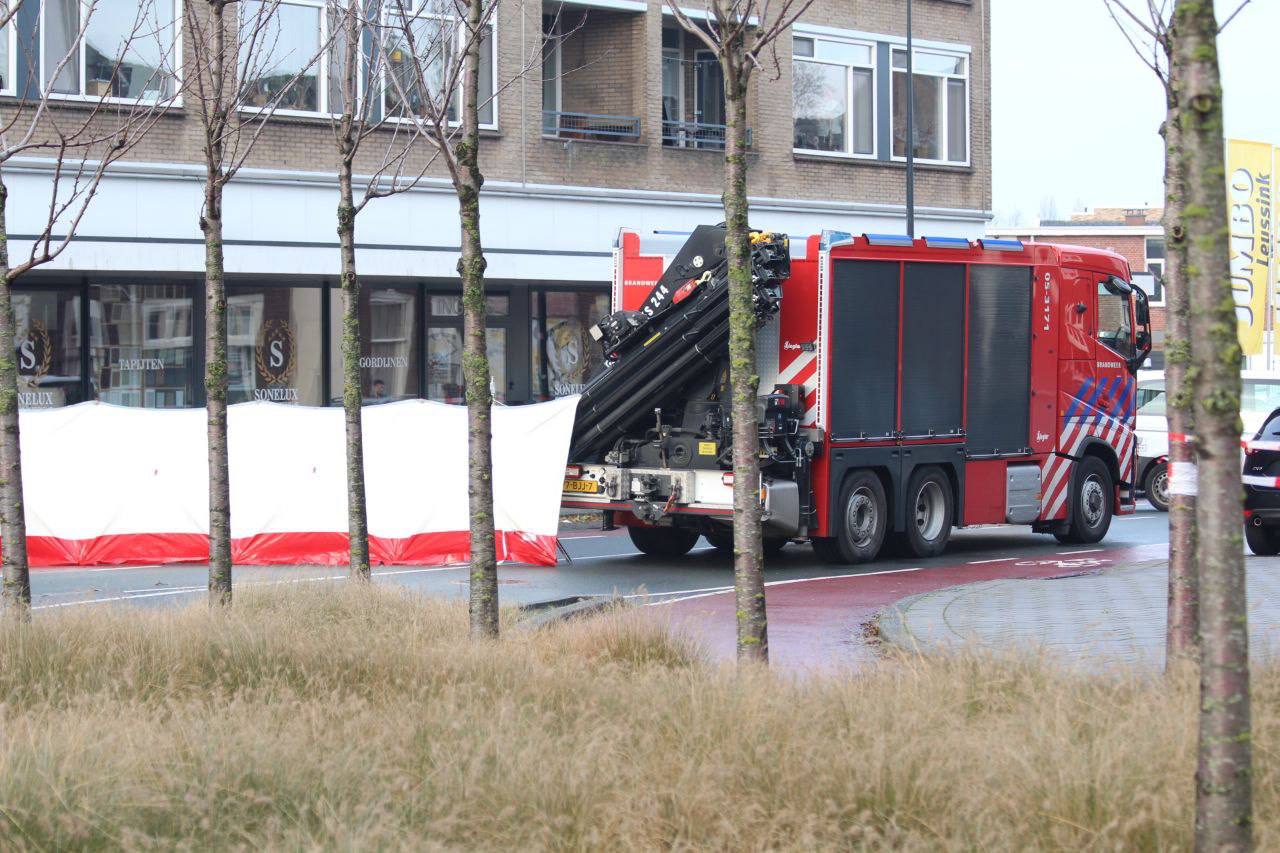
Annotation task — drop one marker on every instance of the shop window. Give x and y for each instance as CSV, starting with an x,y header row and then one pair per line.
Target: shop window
x,y
274,343
388,344
127,50
444,363
140,345
565,357
47,347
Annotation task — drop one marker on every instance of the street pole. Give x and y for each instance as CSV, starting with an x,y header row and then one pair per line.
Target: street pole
x,y
911,131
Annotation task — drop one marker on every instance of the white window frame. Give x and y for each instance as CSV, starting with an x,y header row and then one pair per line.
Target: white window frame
x,y
848,94
322,63
416,11
1146,267
177,61
946,103
11,73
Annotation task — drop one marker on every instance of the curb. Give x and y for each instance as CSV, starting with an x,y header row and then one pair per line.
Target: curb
x,y
544,613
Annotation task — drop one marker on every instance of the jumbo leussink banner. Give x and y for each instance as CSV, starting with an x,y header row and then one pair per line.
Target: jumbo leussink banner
x,y
1249,209
113,485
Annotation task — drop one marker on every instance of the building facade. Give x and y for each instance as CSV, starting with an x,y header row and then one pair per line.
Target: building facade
x,y
1137,234
620,124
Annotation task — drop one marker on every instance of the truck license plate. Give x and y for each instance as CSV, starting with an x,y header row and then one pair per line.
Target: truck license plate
x,y
587,486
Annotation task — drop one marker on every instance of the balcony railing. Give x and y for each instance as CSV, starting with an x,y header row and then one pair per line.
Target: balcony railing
x,y
598,128
695,134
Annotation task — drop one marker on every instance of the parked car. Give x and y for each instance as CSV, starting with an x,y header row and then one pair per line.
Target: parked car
x,y
1259,397
1262,487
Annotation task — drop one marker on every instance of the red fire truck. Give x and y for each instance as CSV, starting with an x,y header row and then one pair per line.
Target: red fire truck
x,y
907,387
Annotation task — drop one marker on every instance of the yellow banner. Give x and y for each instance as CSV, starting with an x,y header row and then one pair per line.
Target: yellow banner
x,y
1249,191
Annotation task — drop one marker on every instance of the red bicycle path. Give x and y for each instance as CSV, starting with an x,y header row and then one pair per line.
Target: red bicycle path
x,y
822,622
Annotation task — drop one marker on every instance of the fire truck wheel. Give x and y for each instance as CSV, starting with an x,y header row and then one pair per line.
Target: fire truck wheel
x,y
1263,541
663,541
1157,486
863,519
1092,496
929,512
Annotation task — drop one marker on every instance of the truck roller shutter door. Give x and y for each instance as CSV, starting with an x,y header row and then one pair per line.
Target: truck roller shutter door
x,y
864,348
932,349
999,385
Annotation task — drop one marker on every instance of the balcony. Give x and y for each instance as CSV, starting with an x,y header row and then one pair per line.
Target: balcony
x,y
592,127
696,134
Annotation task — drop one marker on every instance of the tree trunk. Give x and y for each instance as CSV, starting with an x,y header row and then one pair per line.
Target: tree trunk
x,y
475,359
352,398
215,386
748,559
1223,776
1183,615
15,594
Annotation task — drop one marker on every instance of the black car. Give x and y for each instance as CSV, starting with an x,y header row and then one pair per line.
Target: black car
x,y
1262,488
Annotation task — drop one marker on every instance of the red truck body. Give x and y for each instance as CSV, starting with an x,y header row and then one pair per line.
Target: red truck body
x,y
1003,365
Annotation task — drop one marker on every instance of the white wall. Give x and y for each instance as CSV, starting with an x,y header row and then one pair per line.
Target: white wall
x,y
281,222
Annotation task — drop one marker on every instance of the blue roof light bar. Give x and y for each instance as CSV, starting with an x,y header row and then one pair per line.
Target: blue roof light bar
x,y
1001,245
899,240
947,243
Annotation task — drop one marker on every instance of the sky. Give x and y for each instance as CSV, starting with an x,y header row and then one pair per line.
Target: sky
x,y
1076,115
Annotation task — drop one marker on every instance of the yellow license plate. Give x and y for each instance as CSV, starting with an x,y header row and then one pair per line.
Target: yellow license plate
x,y
587,486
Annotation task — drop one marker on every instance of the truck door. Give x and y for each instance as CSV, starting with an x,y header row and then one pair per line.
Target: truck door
x,y
1115,354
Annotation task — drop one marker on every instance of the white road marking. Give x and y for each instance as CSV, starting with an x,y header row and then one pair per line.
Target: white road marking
x,y
782,583
996,560
115,598
1084,551
628,554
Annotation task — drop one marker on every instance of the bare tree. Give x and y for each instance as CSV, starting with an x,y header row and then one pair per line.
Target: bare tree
x,y
81,145
361,122
238,78
1149,30
436,85
1223,775
743,34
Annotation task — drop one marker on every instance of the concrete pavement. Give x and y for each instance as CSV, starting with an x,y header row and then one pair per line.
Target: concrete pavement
x,y
1098,615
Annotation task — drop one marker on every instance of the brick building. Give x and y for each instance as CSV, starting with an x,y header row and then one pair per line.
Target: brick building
x,y
620,124
1135,233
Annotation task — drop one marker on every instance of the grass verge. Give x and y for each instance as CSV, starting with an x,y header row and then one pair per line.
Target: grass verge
x,y
356,718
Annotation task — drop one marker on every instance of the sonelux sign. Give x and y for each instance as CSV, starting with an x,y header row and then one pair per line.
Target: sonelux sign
x,y
1249,205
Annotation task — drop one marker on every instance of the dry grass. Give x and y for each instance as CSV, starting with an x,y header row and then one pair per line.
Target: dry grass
x,y
365,719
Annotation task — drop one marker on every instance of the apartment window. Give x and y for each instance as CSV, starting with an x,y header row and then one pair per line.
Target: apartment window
x,y
283,58
437,39
1155,266
833,93
941,106
8,59
129,50
140,345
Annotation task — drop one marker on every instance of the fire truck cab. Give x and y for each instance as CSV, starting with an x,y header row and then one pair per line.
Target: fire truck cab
x,y
908,387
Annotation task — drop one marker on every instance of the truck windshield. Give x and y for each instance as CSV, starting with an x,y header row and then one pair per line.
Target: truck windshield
x,y
1115,328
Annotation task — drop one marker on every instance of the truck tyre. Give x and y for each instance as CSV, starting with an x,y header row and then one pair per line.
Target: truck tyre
x,y
1092,499
1156,485
929,512
1263,541
662,541
722,541
860,522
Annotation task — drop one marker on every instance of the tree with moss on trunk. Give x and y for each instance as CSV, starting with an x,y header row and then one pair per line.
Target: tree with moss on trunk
x,y
1224,768
235,83
742,34
360,123
77,146
436,85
